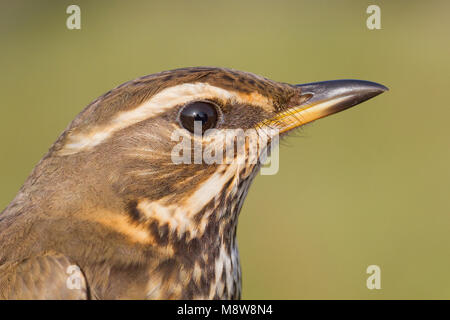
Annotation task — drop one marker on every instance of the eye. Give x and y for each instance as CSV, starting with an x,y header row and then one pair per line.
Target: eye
x,y
202,111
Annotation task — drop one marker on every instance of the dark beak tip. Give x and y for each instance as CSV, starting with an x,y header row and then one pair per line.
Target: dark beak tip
x,y
384,88
371,86
369,90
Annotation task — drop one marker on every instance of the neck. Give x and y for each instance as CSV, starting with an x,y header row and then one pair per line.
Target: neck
x,y
198,259
208,257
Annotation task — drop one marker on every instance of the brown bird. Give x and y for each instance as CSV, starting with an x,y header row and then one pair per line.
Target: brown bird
x,y
109,213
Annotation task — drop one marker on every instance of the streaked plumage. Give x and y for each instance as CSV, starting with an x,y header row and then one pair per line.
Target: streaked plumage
x,y
108,199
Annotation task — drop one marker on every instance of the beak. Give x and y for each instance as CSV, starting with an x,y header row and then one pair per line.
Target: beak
x,y
322,99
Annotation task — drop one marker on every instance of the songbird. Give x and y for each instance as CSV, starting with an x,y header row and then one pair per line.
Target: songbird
x,y
108,214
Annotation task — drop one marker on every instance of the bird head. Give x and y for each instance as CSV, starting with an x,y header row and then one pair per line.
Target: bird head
x,y
129,160
143,189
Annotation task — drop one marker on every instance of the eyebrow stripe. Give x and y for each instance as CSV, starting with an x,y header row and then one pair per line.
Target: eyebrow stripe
x,y
156,105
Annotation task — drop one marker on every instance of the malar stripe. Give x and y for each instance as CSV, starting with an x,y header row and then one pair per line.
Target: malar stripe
x,y
179,217
156,105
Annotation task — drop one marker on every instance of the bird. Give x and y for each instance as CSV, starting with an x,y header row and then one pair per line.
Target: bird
x,y
108,214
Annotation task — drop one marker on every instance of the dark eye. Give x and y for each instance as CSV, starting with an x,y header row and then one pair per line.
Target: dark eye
x,y
201,111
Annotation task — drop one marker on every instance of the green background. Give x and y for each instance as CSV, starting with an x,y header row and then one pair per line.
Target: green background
x,y
366,186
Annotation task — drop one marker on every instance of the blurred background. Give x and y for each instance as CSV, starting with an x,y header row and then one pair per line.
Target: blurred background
x,y
370,185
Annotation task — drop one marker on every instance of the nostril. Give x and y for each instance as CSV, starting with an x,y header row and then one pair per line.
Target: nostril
x,y
305,97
